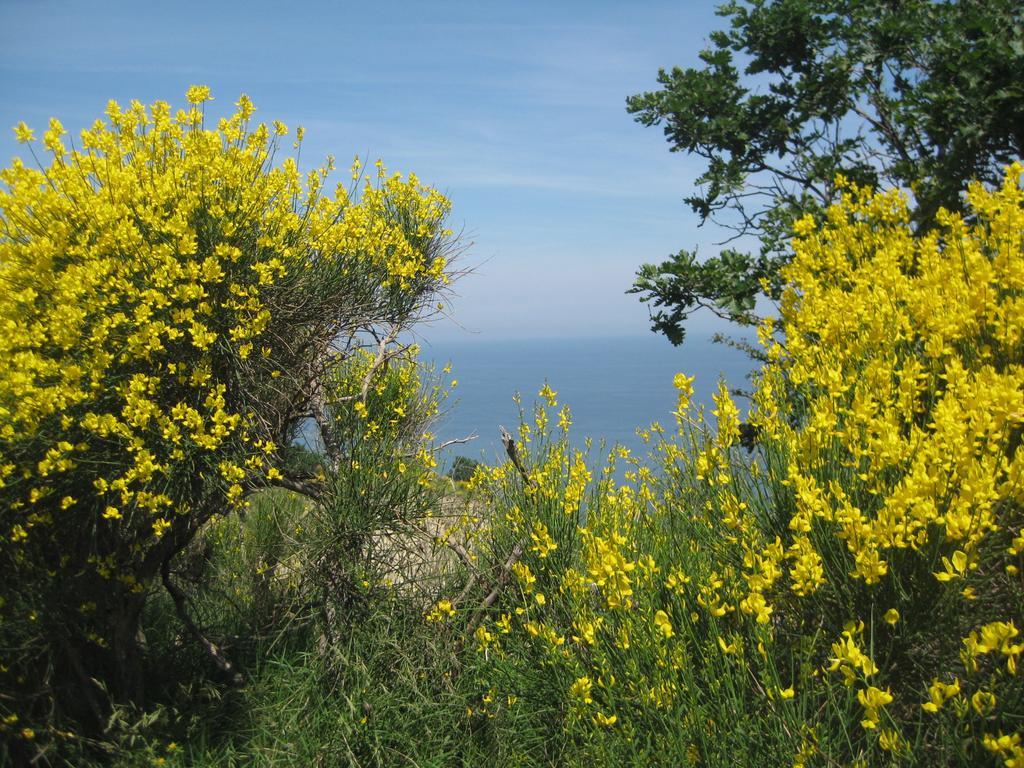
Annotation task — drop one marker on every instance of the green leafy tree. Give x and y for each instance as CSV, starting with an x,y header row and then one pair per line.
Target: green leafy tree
x,y
462,469
914,94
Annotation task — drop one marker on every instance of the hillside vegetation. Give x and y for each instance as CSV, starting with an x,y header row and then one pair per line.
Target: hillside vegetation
x,y
833,578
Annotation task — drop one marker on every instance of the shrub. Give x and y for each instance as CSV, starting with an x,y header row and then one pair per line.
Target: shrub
x,y
851,593
174,306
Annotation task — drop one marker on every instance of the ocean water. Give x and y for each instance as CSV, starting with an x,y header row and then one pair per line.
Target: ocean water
x,y
612,386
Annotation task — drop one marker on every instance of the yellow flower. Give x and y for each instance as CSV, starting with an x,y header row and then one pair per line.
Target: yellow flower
x,y
729,649
581,690
983,702
890,740
23,133
524,575
755,605
484,639
1007,746
955,568
197,94
543,543
939,693
52,137
873,699
891,617
441,611
663,624
549,395
684,384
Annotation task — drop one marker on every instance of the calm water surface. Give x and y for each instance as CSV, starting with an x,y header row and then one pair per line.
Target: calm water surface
x,y
611,385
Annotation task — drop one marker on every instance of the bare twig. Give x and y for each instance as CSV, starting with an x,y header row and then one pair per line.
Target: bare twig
x,y
454,546
446,443
457,441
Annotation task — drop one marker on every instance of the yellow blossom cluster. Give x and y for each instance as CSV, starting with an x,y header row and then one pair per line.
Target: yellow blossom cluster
x,y
166,289
863,563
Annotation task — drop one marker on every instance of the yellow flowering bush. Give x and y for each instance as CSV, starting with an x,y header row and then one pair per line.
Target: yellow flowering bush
x,y
848,593
175,304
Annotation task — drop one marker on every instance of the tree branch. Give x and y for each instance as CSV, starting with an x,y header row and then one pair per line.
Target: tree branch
x,y
494,594
510,448
318,407
180,608
454,546
459,441
312,488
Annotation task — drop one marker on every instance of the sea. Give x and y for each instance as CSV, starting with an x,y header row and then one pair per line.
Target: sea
x,y
613,386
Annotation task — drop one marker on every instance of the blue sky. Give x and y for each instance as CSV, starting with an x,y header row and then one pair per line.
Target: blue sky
x,y
516,110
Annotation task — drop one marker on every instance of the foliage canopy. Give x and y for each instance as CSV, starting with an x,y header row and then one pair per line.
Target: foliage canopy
x,y
923,96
